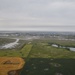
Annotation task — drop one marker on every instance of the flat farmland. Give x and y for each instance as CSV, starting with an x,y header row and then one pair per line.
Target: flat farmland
x,y
21,50
20,53
47,60
40,58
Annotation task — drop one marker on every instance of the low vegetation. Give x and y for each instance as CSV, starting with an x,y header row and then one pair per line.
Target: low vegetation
x,y
41,58
47,60
19,53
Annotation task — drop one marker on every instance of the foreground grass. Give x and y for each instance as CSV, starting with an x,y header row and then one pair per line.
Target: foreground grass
x,y
47,60
44,59
47,66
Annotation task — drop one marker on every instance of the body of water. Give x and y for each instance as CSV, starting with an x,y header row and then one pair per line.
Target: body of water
x,y
10,45
70,48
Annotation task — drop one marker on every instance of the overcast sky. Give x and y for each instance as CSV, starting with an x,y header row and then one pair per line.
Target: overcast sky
x,y
37,15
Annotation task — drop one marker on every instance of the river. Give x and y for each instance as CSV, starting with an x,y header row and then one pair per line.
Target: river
x,y
10,45
70,48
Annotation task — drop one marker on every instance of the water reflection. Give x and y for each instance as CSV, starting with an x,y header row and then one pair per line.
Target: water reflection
x,y
70,48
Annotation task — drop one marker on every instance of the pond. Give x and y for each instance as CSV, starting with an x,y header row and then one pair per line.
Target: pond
x,y
70,48
54,45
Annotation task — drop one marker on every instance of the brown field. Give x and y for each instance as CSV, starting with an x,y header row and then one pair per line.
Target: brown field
x,y
8,64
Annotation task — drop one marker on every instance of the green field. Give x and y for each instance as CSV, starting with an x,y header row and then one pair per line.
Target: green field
x,y
17,53
43,59
21,50
47,60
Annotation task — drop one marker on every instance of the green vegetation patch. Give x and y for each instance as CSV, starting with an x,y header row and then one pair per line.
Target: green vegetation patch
x,y
44,59
46,66
67,43
26,50
13,53
44,51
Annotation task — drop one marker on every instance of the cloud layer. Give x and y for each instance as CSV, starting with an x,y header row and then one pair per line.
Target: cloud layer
x,y
54,15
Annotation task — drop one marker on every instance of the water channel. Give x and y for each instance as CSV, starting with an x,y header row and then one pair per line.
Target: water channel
x,y
59,46
10,45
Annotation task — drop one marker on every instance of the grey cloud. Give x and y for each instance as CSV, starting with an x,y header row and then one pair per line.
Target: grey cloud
x,y
22,13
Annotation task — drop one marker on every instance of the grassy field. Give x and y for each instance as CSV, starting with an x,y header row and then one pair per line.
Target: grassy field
x,y
47,60
21,50
20,53
43,59
47,66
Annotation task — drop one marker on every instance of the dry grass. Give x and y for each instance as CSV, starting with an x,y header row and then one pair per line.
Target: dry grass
x,y
10,63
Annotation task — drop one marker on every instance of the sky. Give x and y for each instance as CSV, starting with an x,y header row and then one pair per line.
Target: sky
x,y
37,15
